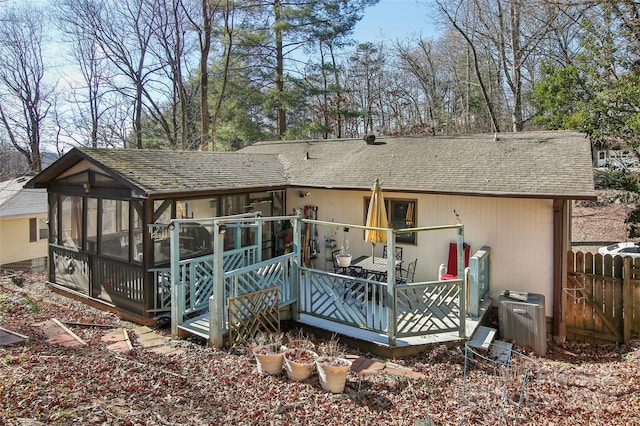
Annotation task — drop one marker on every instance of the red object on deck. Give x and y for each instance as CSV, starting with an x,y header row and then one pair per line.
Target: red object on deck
x,y
452,262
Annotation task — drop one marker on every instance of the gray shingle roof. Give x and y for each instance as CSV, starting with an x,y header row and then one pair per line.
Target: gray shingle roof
x,y
18,201
156,171
532,164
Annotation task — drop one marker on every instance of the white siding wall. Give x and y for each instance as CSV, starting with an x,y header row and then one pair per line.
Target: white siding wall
x,y
519,232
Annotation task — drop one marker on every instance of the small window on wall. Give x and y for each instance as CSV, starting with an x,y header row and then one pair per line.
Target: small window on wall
x,y
400,214
43,229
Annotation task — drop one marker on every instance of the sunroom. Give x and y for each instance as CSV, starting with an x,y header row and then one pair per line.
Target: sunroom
x,y
102,203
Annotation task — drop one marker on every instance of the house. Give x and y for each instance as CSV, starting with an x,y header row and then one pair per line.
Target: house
x,y
23,226
512,193
616,157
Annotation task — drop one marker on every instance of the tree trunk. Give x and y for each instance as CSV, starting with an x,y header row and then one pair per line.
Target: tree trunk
x,y
282,117
205,46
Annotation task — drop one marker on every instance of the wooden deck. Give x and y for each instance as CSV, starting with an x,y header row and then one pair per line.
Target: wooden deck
x,y
376,343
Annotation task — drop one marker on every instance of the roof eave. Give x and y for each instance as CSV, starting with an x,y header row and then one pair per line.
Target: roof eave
x,y
73,157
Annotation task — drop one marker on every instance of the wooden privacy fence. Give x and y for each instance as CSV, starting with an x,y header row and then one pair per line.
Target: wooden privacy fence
x,y
602,297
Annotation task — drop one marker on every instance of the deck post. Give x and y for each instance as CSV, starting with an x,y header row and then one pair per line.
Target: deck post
x,y
177,286
216,300
463,284
474,286
260,224
294,274
391,279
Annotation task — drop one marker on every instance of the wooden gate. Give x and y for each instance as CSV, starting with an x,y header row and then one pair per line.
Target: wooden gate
x,y
252,312
602,296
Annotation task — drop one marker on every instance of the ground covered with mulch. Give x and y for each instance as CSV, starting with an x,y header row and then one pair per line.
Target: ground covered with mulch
x,y
45,383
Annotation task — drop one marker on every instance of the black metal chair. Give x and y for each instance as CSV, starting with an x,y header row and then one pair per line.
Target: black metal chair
x,y
407,275
353,288
398,251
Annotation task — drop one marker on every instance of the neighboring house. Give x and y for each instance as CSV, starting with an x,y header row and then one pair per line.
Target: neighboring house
x,y
23,226
512,194
619,158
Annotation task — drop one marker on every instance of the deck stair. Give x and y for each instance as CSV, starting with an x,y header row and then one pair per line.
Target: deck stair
x,y
483,338
484,342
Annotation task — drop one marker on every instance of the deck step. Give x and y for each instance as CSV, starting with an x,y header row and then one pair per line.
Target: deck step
x,y
501,351
483,337
198,326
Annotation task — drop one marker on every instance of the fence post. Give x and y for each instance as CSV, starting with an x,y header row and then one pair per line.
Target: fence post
x,y
627,299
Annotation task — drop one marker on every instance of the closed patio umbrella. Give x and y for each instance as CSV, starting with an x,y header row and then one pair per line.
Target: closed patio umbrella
x,y
376,218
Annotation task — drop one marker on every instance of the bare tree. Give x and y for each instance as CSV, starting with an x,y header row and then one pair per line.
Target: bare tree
x,y
25,97
123,32
88,94
423,63
367,65
512,31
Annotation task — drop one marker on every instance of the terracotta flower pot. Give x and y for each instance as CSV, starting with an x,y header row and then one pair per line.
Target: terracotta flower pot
x,y
299,363
269,358
333,373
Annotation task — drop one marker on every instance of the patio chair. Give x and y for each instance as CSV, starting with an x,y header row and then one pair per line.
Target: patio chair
x,y
398,251
352,288
407,275
449,271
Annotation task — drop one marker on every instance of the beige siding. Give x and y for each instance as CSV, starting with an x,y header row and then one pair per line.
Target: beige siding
x,y
14,241
519,232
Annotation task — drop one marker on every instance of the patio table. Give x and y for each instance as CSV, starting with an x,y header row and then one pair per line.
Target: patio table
x,y
376,267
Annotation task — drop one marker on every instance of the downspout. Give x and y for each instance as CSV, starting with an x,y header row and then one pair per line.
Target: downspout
x,y
560,248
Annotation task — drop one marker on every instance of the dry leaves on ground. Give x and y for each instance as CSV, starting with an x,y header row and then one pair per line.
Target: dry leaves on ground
x,y
575,384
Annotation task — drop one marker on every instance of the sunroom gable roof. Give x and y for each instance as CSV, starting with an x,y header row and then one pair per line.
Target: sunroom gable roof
x,y
149,172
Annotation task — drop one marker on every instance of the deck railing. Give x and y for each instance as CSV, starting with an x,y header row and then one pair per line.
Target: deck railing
x,y
429,308
418,309
161,289
195,283
478,279
275,272
356,302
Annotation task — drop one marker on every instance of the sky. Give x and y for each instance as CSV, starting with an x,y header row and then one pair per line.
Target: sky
x,y
395,19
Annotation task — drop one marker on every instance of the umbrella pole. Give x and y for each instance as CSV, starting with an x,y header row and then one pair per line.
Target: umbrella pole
x,y
373,253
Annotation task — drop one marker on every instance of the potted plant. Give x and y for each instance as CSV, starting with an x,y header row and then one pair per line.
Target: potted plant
x,y
298,339
344,258
269,353
299,363
333,368
300,356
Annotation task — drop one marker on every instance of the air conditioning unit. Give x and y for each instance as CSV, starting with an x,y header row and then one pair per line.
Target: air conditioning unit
x,y
521,318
